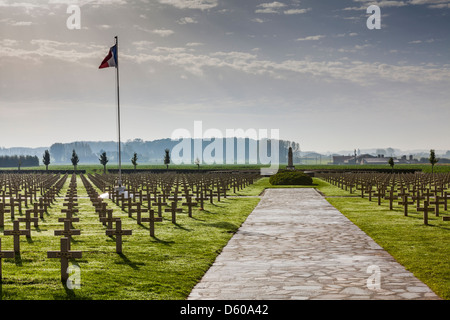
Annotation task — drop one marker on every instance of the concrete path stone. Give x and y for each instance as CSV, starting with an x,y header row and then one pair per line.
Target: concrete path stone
x,y
296,246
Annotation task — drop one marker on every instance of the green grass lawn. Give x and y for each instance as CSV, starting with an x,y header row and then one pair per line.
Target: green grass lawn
x,y
165,267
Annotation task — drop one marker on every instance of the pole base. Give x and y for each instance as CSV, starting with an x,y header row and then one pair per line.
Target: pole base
x,y
120,189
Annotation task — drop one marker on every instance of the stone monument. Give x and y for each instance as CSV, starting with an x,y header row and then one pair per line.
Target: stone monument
x,y
290,165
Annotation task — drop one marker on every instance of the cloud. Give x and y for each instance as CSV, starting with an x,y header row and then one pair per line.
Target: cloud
x,y
8,43
194,44
296,11
355,48
85,2
160,32
71,52
432,4
33,4
311,38
104,26
258,20
357,72
420,41
21,23
278,8
191,4
163,32
272,7
351,34
142,45
186,20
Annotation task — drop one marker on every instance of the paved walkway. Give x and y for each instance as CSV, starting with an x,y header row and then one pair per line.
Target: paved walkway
x,y
295,245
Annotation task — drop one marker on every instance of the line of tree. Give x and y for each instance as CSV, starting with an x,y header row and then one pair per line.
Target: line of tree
x,y
74,159
19,161
433,160
150,151
46,159
167,158
103,160
134,160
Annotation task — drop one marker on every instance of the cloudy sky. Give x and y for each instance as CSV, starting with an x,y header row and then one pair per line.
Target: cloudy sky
x,y
310,68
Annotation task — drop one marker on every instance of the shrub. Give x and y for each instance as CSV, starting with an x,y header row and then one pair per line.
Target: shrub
x,y
290,178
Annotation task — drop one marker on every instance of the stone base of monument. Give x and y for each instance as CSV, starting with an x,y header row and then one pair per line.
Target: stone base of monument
x,y
120,189
309,173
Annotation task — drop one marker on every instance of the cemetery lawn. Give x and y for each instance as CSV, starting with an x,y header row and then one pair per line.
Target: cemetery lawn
x,y
169,265
165,267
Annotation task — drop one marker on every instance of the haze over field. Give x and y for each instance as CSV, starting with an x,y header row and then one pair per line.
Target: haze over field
x,y
311,69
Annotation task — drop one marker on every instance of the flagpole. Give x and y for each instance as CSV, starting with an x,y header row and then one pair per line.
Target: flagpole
x,y
118,111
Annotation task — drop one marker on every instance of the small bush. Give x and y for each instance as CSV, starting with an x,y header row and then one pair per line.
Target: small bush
x,y
290,178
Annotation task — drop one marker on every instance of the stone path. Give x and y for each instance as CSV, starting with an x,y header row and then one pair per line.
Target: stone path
x,y
295,245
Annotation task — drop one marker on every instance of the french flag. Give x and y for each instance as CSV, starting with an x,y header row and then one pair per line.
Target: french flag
x,y
111,58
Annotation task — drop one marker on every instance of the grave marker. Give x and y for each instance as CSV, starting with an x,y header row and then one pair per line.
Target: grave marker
x,y
68,232
2,214
159,204
4,254
108,219
189,204
28,219
16,233
425,211
437,202
64,254
391,197
152,219
173,209
405,203
118,233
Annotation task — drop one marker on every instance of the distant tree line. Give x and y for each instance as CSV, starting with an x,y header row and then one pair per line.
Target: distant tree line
x,y
19,161
150,151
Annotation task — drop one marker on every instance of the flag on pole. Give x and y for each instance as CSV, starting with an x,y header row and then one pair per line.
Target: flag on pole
x,y
111,58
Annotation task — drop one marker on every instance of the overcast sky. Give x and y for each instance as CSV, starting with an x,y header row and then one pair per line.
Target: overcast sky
x,y
310,68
